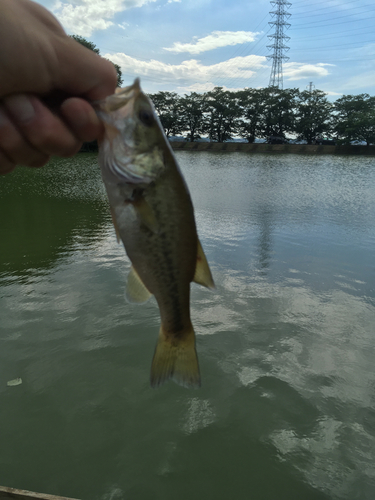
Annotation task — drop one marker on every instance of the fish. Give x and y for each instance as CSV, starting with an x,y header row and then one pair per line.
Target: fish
x,y
153,215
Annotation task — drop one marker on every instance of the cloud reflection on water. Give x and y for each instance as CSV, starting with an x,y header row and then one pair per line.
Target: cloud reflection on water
x,y
294,277
285,343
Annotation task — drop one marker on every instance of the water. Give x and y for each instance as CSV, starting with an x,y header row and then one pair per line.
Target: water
x,y
286,344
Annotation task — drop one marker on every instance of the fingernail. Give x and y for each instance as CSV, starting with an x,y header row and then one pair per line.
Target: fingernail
x,y
20,107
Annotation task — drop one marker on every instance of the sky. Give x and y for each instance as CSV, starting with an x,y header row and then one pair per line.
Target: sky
x,y
188,46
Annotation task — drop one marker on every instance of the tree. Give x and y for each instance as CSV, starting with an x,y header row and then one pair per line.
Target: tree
x,y
313,114
86,43
168,107
192,115
91,46
120,80
223,113
354,118
364,124
278,111
251,105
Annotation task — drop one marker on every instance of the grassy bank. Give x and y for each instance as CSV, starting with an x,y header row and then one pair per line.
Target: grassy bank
x,y
274,148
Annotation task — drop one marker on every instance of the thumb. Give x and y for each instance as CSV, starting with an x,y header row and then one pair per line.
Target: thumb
x,y
81,72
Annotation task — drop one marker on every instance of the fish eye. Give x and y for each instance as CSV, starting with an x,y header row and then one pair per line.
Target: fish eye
x,y
146,117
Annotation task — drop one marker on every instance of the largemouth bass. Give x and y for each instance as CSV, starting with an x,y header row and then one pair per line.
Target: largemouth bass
x,y
154,217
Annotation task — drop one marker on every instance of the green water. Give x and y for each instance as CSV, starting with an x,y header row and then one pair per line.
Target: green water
x,y
286,343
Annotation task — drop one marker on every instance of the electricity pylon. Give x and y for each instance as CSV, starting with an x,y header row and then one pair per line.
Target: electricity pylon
x,y
280,23
310,87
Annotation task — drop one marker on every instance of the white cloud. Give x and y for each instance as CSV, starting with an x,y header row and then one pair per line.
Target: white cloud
x,y
189,71
204,87
297,71
213,41
197,87
329,92
85,16
123,26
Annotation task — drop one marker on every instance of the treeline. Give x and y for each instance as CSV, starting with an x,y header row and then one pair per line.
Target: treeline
x,y
222,115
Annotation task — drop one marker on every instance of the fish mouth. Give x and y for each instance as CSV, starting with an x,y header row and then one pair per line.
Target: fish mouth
x,y
118,100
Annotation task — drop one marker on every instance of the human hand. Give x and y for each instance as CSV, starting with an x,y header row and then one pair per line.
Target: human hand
x,y
38,60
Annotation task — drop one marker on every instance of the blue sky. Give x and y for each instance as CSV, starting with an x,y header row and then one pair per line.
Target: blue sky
x,y
195,45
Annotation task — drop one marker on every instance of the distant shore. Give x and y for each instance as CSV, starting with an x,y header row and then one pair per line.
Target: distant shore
x,y
274,148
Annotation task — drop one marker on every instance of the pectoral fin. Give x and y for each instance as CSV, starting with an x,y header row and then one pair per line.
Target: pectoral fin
x,y
203,274
136,292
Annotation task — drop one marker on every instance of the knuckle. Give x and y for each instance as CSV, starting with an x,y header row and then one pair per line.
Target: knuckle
x,y
20,108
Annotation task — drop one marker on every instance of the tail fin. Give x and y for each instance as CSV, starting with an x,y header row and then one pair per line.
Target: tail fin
x,y
176,359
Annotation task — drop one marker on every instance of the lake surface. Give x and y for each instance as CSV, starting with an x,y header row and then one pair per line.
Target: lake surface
x,y
286,343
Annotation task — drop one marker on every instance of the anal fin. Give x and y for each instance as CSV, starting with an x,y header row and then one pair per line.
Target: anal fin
x,y
136,291
203,274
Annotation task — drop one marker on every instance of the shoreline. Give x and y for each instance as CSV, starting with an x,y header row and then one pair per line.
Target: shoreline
x,y
312,149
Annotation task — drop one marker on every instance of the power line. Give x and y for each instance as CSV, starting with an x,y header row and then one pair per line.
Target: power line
x,y
334,11
315,24
335,33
